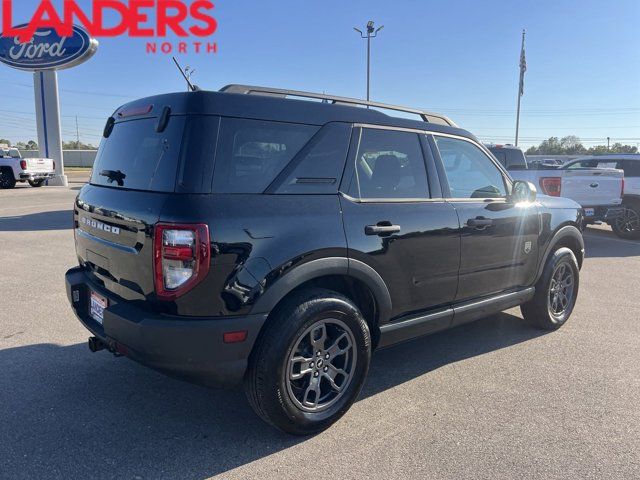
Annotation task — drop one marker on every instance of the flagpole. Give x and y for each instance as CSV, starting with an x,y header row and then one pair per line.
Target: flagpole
x,y
520,87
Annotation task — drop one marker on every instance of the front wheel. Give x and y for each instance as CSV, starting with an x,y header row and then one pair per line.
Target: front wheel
x,y
36,183
556,292
310,362
628,225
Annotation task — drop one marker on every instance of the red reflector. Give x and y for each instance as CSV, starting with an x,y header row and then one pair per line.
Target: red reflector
x,y
121,349
178,253
235,337
135,111
23,164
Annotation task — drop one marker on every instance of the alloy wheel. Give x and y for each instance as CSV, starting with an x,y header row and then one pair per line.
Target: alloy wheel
x,y
561,290
629,222
321,365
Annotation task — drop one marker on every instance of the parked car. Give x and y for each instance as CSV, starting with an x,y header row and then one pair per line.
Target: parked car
x,y
598,190
245,236
14,168
512,158
627,225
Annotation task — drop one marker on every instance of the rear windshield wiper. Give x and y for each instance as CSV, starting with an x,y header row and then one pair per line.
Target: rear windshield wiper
x,y
114,176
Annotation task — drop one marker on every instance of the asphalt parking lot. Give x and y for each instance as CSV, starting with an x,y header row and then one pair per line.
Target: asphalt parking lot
x,y
494,399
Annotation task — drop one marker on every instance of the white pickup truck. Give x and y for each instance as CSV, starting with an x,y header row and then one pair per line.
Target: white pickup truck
x,y
14,168
598,190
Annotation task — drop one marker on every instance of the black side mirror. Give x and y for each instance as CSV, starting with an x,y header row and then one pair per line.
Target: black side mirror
x,y
523,191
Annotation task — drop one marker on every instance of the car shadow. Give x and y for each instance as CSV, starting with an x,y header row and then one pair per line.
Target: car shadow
x,y
33,222
78,414
603,244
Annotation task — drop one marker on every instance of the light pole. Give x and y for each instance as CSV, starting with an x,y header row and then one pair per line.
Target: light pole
x,y
608,141
372,32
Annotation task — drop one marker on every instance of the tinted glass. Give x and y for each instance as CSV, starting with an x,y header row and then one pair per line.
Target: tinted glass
x,y
471,173
319,165
631,168
251,153
390,164
136,157
500,155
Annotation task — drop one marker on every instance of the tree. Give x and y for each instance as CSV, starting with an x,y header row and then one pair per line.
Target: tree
x,y
5,141
32,145
572,145
77,146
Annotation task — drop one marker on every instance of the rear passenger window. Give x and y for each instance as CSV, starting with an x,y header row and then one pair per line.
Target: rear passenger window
x,y
471,173
390,164
251,153
318,168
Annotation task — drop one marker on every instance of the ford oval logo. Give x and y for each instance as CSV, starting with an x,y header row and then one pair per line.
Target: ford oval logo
x,y
48,50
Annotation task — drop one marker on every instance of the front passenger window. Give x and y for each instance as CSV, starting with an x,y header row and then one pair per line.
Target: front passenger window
x,y
470,172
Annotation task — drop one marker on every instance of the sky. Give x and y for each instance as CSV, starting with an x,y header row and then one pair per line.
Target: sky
x,y
458,57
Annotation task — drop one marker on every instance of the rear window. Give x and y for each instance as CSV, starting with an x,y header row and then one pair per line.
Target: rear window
x,y
251,153
136,157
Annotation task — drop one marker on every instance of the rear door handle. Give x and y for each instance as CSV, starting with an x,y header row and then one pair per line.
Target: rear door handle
x,y
479,222
381,229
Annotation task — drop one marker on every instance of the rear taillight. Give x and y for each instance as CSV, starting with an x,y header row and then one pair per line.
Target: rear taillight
x,y
622,189
551,186
23,164
181,258
54,164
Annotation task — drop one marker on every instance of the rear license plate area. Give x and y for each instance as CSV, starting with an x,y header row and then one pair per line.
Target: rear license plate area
x,y
97,305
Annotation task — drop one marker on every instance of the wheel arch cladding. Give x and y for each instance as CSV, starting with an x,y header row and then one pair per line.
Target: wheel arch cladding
x,y
351,278
567,236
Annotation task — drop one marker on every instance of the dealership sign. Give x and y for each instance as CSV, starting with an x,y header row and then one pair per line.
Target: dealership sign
x,y
47,50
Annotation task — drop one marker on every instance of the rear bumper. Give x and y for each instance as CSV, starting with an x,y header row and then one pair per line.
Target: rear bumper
x,y
604,213
36,175
191,348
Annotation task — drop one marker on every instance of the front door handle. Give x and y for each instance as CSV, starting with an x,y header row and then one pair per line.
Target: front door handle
x,y
480,222
383,228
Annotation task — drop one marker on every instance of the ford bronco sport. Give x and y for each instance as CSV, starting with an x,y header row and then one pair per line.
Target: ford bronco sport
x,y
248,236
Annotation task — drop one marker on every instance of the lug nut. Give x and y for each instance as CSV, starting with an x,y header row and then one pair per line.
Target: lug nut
x,y
319,354
315,374
327,356
326,369
311,365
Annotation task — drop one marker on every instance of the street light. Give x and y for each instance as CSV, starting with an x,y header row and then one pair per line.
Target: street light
x,y
372,32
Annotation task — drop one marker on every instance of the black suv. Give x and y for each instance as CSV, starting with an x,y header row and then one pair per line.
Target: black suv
x,y
278,238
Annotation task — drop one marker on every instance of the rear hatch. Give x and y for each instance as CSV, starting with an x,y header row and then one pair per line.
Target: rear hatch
x,y
593,187
135,173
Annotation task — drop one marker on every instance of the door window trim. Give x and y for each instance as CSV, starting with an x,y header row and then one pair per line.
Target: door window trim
x,y
351,173
446,192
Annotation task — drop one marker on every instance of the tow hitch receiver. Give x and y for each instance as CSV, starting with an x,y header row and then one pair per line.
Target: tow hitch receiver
x,y
95,344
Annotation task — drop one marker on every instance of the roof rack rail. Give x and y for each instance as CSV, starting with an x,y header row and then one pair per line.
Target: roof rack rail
x,y
430,117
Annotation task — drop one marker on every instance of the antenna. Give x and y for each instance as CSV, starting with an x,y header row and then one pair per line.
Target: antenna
x,y
192,87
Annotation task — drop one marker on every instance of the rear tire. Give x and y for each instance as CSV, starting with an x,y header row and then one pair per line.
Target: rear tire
x,y
628,226
309,363
7,180
36,183
556,292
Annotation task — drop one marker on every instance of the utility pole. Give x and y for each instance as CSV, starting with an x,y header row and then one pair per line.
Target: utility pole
x,y
523,68
77,134
372,32
608,142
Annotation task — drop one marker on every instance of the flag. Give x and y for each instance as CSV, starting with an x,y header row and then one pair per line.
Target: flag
x,y
523,66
